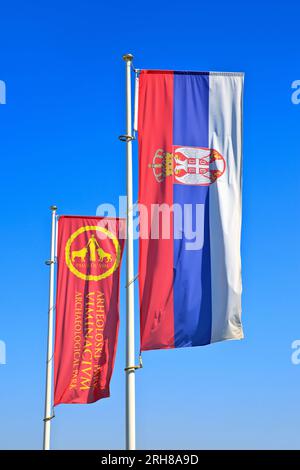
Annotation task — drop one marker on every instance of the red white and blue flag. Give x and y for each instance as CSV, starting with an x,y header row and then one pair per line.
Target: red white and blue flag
x,y
190,160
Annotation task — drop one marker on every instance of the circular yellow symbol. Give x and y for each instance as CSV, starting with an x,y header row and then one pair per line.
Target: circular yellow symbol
x,y
95,251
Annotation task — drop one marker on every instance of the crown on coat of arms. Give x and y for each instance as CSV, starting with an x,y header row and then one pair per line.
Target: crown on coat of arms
x,y
162,165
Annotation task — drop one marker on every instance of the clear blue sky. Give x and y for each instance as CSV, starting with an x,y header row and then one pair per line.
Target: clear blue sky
x,y
61,61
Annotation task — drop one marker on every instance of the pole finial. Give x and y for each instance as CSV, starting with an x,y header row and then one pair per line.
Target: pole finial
x,y
128,57
53,208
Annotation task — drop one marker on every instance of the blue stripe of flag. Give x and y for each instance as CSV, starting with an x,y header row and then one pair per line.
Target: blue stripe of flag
x,y
192,269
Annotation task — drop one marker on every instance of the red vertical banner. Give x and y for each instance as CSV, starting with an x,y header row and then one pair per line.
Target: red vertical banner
x,y
89,253
156,273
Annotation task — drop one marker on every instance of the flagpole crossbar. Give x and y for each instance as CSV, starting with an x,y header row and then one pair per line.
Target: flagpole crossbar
x,y
50,359
132,207
48,262
140,366
126,138
49,418
132,280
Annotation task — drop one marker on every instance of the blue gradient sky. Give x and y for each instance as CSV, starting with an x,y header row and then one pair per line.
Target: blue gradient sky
x,y
61,61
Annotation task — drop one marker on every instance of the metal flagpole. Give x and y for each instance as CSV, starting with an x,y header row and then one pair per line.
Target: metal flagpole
x,y
130,353
48,396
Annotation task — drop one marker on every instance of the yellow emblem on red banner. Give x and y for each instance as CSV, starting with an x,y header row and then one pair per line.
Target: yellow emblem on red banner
x,y
103,261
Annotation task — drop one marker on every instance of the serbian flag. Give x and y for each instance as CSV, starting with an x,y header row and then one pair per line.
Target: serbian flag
x,y
190,160
87,307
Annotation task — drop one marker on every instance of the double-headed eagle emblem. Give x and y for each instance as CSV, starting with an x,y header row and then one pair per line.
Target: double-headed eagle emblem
x,y
188,165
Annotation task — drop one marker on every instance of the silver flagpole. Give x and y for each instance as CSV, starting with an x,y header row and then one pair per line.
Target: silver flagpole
x,y
130,353
49,367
